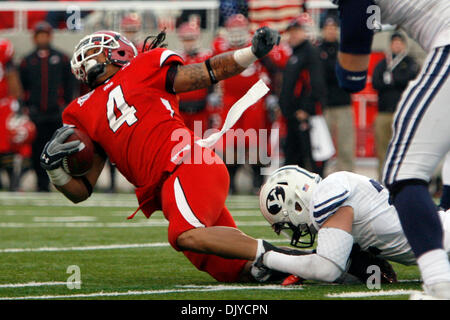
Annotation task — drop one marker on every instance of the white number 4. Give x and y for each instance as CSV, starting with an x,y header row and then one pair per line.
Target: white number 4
x,y
116,100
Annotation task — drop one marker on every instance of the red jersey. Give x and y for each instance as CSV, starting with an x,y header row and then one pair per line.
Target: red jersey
x,y
5,112
235,87
132,117
6,65
280,55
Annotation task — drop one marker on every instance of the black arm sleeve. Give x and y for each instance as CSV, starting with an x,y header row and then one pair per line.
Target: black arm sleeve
x,y
170,78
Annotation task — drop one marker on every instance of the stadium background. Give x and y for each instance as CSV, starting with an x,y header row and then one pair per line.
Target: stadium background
x,y
42,234
17,18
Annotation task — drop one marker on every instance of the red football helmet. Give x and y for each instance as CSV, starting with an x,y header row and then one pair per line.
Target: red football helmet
x,y
21,130
118,49
188,31
131,23
237,27
6,50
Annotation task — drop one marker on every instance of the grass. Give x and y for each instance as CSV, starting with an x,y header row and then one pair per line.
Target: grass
x,y
31,221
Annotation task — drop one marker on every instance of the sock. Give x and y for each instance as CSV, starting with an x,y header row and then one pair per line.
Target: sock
x,y
260,249
434,267
419,219
445,198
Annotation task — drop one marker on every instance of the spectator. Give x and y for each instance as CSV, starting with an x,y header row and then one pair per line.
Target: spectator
x,y
193,103
47,82
10,93
338,111
255,118
390,78
131,27
302,93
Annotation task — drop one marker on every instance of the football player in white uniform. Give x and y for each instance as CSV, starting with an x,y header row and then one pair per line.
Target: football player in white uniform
x,y
342,209
421,134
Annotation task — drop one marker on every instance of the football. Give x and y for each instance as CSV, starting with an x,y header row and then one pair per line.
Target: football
x,y
79,163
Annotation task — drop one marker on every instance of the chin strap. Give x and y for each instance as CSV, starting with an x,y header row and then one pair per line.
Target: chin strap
x,y
95,72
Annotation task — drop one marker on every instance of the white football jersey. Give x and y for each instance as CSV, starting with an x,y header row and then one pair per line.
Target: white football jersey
x,y
375,222
426,21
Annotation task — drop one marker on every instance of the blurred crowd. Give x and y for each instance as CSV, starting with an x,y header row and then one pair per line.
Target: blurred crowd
x,y
305,103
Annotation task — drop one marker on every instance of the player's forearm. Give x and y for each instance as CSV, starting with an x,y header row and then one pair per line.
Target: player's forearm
x,y
196,76
74,190
77,189
308,267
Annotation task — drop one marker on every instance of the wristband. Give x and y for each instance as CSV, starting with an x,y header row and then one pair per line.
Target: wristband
x,y
351,81
212,77
58,176
244,57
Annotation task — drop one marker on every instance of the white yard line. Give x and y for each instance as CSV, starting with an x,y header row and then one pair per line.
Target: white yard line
x,y
152,292
65,219
373,293
35,284
87,248
100,247
145,223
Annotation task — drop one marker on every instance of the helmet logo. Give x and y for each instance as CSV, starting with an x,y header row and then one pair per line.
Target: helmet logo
x,y
275,200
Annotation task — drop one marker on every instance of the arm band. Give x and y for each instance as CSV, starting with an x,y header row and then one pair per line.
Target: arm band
x,y
212,77
350,81
87,184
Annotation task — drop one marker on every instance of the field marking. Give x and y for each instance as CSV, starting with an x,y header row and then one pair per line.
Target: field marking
x,y
99,247
65,219
35,284
153,292
374,293
86,248
145,223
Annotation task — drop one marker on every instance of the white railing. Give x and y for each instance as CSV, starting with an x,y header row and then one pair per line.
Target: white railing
x,y
20,8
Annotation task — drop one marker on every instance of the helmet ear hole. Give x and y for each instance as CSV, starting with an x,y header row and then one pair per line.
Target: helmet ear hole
x,y
298,207
121,53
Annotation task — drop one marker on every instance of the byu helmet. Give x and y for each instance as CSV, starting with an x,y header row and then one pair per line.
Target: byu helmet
x,y
284,201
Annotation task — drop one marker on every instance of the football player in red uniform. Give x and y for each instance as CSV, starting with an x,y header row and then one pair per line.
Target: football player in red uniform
x,y
193,107
130,27
12,133
238,36
132,116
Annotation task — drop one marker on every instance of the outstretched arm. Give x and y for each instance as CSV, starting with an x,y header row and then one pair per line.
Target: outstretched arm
x,y
333,249
225,65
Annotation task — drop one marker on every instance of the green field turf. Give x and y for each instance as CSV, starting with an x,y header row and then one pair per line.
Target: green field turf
x,y
41,235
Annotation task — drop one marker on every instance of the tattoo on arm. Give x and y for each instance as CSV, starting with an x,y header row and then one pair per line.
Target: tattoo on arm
x,y
224,65
195,76
191,77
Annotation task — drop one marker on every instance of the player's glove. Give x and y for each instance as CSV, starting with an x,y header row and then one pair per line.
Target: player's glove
x,y
55,150
361,260
264,40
